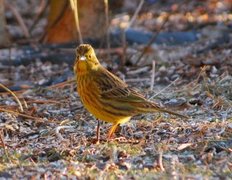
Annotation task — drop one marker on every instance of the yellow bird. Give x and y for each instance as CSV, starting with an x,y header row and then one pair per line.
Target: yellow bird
x,y
105,95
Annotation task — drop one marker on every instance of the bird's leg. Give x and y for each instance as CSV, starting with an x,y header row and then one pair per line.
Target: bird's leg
x,y
98,131
111,131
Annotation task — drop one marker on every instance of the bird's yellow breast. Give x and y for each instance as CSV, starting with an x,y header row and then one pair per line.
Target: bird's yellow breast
x,y
90,97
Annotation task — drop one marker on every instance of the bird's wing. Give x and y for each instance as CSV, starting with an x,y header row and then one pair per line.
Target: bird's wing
x,y
111,87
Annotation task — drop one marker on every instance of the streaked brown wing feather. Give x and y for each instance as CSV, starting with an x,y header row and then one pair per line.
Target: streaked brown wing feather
x,y
111,87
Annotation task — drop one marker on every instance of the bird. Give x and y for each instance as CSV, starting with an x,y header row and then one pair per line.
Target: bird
x,y
105,95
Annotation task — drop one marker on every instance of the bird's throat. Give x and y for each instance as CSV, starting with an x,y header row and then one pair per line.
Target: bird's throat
x,y
83,67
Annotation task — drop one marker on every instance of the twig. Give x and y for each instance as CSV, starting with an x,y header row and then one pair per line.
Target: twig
x,y
57,131
124,47
19,19
13,94
62,84
124,31
139,70
23,115
16,91
107,28
25,103
74,7
4,146
160,161
135,14
152,75
173,82
151,40
42,7
43,101
98,132
137,80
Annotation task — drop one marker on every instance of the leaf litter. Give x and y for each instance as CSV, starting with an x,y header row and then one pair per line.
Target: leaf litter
x,y
60,144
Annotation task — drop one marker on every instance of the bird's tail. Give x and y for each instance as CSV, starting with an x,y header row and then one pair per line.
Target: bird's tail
x,y
174,113
153,107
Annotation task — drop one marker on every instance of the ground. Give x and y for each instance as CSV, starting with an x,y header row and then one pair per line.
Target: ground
x,y
53,135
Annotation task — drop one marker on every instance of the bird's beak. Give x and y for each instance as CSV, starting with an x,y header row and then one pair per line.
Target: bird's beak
x,y
82,58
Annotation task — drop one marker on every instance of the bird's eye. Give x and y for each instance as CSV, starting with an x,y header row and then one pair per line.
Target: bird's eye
x,y
89,56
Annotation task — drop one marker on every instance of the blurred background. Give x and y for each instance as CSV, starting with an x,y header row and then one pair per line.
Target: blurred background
x,y
127,34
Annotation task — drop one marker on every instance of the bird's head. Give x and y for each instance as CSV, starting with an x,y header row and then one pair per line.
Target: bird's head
x,y
86,60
